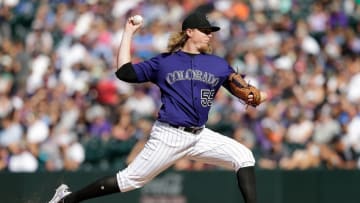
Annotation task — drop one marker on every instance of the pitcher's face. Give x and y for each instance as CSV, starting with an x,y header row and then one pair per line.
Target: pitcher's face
x,y
200,38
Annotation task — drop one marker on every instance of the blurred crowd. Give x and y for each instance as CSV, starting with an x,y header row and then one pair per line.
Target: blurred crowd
x,y
62,108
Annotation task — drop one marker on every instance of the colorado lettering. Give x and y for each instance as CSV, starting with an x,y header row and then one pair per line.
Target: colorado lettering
x,y
190,74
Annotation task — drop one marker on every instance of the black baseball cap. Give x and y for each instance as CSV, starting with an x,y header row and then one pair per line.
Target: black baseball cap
x,y
198,20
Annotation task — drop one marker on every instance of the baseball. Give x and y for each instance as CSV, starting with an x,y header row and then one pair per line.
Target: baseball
x,y
137,19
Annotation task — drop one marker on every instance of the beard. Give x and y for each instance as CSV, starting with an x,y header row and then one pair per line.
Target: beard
x,y
206,49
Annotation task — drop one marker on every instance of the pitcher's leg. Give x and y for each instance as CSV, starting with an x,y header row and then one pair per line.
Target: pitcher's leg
x,y
164,147
130,178
247,183
103,186
214,148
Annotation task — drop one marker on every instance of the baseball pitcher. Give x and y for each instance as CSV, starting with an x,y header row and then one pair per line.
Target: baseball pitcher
x,y
188,76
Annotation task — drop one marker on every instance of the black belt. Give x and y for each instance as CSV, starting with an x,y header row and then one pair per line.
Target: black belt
x,y
193,130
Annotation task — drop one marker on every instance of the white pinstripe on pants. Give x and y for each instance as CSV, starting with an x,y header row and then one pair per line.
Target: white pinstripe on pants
x,y
167,145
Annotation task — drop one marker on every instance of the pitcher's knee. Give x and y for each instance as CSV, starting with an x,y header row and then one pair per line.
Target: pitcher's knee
x,y
245,159
128,182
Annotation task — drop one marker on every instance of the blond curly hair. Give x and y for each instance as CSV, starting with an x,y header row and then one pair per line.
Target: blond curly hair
x,y
177,41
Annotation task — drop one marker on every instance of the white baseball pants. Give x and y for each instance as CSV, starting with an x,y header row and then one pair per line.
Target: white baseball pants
x,y
167,145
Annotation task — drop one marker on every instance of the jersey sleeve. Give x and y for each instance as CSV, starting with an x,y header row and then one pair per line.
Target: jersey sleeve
x,y
231,69
146,70
226,82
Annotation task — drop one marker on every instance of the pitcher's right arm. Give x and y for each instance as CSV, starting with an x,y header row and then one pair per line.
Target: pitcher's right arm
x,y
123,62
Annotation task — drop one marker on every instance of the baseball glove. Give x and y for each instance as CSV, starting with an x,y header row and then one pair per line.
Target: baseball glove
x,y
241,89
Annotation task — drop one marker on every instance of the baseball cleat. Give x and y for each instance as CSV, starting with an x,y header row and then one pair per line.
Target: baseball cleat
x,y
61,192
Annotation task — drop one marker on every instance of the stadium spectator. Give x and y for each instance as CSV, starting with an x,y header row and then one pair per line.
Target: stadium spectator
x,y
61,107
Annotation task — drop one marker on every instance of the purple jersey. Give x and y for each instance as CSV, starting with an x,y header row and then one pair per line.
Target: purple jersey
x,y
188,84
